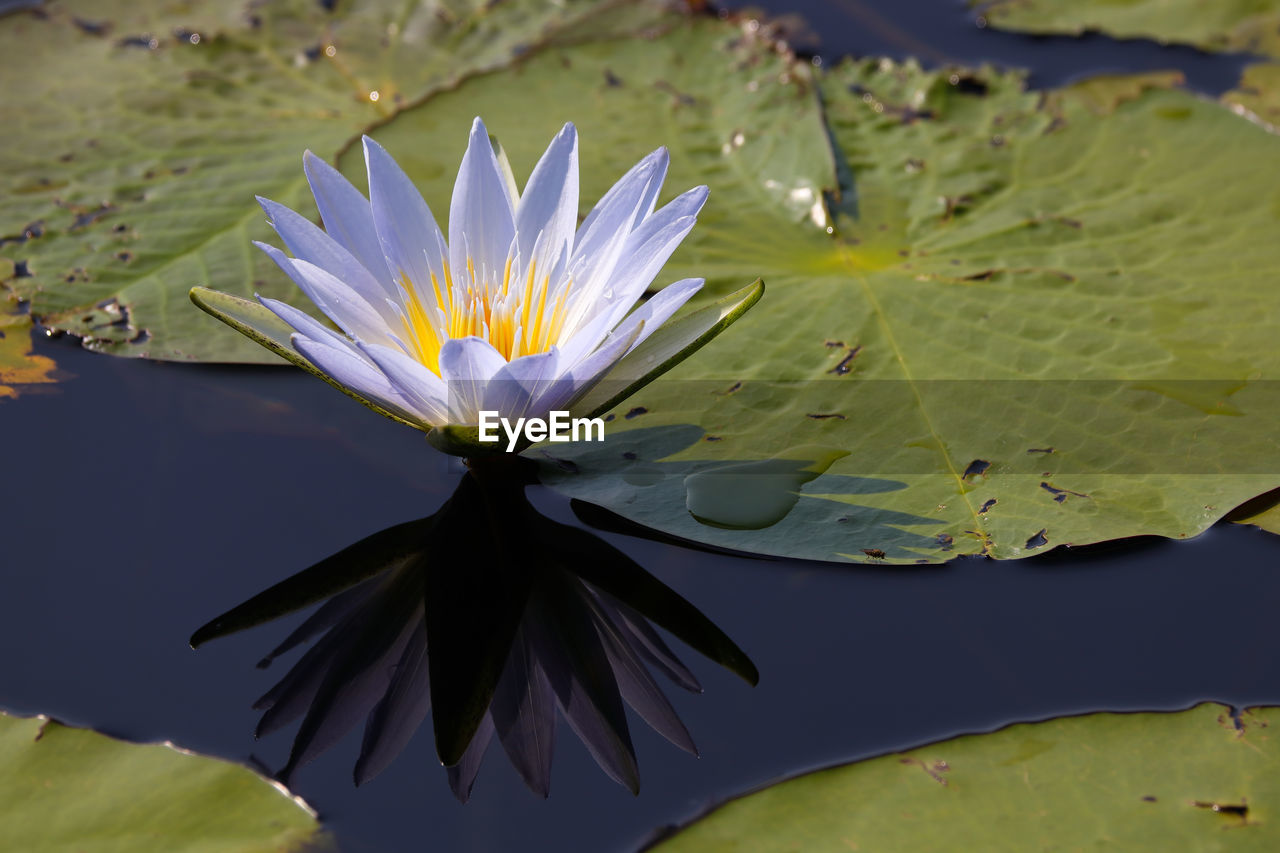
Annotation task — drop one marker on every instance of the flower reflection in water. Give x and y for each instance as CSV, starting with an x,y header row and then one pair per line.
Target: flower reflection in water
x,y
521,615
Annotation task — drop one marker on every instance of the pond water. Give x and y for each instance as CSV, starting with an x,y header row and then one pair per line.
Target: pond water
x,y
129,525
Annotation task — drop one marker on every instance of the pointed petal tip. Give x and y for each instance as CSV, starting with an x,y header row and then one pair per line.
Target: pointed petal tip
x,y
659,159
313,163
272,252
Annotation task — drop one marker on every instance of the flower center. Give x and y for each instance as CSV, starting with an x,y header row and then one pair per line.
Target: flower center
x,y
519,313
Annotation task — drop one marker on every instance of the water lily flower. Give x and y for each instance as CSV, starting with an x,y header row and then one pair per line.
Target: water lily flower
x,y
521,311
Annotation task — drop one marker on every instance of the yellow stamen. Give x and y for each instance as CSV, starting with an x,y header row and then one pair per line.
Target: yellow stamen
x,y
516,321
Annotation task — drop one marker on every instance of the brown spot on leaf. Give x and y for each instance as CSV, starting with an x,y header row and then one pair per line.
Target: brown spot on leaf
x,y
1240,809
935,769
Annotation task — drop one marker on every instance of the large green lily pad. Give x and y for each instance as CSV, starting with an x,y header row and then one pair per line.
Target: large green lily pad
x,y
1251,26
1199,780
64,788
142,131
1043,319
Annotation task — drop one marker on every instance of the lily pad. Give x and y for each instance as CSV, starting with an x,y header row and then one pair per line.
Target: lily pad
x,y
1203,779
142,131
73,789
1251,26
1039,322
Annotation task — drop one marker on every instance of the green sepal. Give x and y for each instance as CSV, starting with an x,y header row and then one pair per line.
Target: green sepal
x,y
257,323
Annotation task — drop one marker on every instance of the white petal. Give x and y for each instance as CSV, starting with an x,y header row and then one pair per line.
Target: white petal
x,y
636,270
650,172
339,302
515,390
352,370
598,248
584,375
303,322
549,204
481,220
407,231
466,365
346,213
574,347
684,205
413,379
309,243
659,309
643,255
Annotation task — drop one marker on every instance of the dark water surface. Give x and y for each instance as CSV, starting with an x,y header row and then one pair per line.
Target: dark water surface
x,y
143,499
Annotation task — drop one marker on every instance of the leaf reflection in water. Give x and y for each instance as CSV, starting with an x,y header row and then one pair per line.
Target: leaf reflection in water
x,y
522,615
